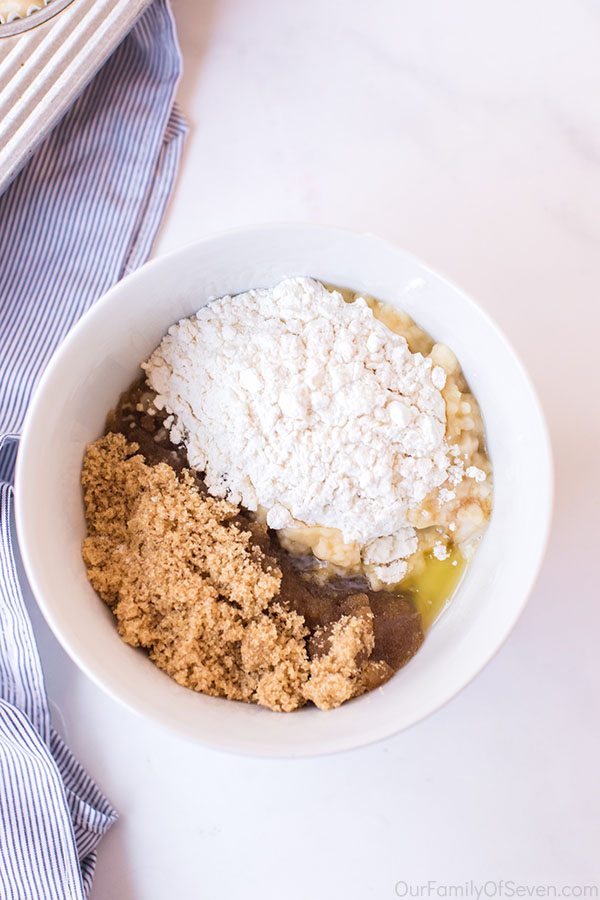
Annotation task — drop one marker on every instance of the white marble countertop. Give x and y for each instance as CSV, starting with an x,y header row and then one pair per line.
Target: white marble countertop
x,y
469,133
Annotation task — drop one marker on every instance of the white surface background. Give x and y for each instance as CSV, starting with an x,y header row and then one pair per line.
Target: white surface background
x,y
469,133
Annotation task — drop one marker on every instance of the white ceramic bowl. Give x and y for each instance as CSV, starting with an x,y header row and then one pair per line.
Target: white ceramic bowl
x,y
100,358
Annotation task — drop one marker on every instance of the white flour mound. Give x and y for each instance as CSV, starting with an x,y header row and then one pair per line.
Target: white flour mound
x,y
296,401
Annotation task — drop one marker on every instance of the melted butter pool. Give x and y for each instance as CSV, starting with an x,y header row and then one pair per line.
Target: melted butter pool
x,y
431,588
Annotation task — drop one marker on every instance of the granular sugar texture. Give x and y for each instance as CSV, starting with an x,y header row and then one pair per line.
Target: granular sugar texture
x,y
188,580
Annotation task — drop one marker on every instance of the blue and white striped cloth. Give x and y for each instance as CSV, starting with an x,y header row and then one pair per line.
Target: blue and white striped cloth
x,y
82,214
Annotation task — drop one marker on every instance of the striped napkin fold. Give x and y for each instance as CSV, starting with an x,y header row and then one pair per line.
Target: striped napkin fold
x,y
83,213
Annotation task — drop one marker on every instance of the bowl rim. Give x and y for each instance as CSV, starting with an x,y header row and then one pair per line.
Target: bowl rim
x,y
235,745
34,19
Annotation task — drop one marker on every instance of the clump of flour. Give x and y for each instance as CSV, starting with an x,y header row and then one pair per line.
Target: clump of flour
x,y
293,400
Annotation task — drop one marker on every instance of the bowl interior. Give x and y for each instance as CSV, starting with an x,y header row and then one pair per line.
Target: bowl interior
x,y
101,357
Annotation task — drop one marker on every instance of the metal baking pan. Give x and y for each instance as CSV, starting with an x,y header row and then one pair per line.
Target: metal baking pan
x,y
46,59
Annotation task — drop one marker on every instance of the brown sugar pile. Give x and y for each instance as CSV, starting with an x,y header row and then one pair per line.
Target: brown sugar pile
x,y
194,583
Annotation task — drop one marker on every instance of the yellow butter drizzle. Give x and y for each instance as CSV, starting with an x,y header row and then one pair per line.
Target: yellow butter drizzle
x,y
433,585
